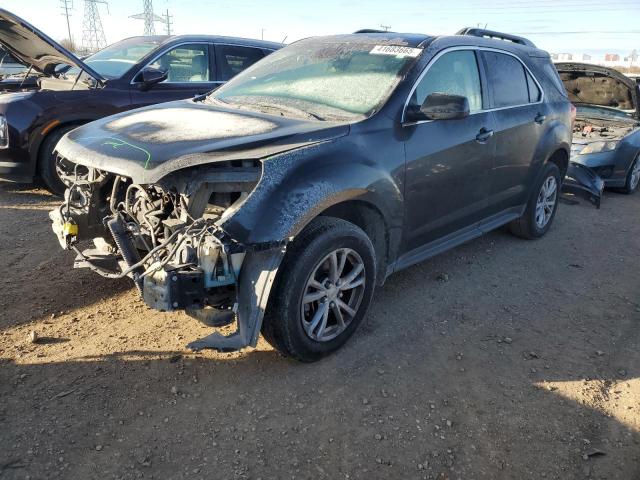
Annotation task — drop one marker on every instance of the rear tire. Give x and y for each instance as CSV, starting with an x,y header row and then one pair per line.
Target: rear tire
x,y
314,308
47,161
633,177
541,207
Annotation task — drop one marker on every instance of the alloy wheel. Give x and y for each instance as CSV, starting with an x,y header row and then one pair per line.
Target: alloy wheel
x,y
635,174
546,201
332,294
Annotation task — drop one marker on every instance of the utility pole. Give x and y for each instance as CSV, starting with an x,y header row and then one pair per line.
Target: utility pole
x,y
167,22
262,34
66,6
93,38
386,28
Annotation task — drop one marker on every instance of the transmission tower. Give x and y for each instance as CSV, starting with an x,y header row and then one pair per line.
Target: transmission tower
x,y
149,17
93,38
67,5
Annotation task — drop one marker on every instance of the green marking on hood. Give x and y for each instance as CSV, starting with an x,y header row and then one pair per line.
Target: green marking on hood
x,y
115,143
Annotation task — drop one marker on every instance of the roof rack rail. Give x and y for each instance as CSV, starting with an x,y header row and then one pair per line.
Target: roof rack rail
x,y
371,30
481,32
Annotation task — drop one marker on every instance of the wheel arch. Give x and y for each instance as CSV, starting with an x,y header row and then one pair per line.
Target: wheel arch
x,y
561,158
45,133
372,222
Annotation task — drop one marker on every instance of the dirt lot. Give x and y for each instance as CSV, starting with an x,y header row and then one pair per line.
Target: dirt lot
x,y
500,359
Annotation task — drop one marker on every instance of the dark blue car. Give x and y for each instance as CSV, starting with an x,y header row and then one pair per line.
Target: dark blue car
x,y
294,190
131,73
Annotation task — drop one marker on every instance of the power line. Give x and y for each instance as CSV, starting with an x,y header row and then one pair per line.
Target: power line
x,y
580,32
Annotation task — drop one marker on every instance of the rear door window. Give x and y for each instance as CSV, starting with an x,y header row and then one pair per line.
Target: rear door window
x,y
507,80
454,73
232,59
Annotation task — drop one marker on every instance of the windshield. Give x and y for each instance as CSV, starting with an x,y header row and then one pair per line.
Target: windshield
x,y
115,60
326,80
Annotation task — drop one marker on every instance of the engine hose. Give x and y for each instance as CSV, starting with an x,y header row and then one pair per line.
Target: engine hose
x,y
127,250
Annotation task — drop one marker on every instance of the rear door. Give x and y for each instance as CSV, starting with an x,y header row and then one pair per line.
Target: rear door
x,y
448,161
191,71
520,115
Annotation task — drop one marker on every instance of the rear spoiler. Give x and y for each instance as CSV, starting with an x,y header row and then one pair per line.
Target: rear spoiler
x,y
481,32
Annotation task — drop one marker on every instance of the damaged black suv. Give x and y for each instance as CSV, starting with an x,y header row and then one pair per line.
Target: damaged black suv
x,y
282,199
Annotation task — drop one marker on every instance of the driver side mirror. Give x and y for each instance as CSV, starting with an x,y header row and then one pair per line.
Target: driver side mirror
x,y
440,106
150,76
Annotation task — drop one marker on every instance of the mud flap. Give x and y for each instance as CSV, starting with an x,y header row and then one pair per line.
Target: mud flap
x,y
256,279
584,182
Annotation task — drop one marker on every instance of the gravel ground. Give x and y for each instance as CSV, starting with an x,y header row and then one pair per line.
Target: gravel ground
x,y
500,359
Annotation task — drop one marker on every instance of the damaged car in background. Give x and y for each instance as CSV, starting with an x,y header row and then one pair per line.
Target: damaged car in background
x,y
606,138
60,91
281,200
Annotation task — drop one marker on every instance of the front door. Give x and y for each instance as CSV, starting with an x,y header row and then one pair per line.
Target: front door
x,y
448,161
190,69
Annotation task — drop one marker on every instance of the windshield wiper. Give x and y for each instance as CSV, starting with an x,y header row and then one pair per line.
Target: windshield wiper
x,y
283,108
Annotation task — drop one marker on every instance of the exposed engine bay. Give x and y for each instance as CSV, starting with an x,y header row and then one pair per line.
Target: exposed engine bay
x,y
164,237
587,130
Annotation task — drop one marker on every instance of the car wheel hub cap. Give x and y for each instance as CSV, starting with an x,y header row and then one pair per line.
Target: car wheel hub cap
x,y
546,202
332,294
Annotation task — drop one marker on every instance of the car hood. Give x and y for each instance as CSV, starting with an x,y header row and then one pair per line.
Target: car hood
x,y
34,48
151,142
596,85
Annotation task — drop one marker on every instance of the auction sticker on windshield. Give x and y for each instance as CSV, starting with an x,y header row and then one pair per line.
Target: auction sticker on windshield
x,y
396,50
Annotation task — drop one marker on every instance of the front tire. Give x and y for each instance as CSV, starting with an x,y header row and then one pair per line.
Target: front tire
x,y
633,177
322,291
48,166
542,206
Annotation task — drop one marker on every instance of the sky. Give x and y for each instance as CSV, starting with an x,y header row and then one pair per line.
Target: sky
x,y
575,26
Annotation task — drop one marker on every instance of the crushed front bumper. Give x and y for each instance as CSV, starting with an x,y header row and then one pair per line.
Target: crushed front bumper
x,y
229,284
584,182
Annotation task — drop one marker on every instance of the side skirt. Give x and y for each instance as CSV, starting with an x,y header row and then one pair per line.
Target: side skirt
x,y
454,239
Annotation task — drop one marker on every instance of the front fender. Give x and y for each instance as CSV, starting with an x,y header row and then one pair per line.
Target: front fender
x,y
297,186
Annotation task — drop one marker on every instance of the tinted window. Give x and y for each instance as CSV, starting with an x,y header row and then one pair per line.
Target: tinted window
x,y
534,91
507,80
185,63
234,60
454,73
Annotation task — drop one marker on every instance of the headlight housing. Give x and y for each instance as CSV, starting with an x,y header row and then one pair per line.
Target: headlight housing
x,y
601,146
4,132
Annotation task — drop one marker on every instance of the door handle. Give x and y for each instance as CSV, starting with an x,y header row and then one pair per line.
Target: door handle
x,y
540,119
484,135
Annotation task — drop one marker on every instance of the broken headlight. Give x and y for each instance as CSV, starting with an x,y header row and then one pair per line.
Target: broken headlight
x,y
597,147
4,132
